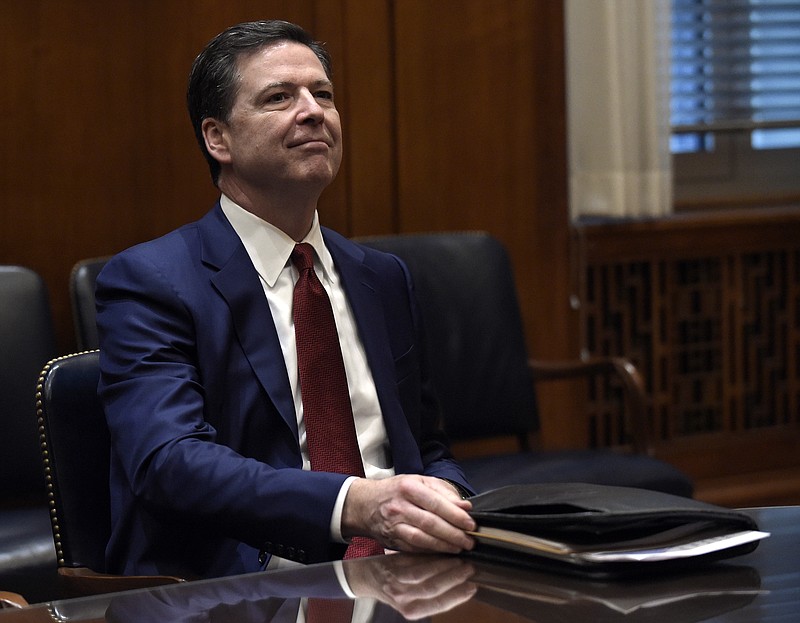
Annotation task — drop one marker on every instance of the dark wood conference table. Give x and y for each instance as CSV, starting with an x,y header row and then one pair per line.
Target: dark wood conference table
x,y
763,586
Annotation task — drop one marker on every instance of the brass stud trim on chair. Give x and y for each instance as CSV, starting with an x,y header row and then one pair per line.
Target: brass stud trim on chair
x,y
43,445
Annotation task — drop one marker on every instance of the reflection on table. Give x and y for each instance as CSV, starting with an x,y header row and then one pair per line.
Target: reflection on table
x,y
764,585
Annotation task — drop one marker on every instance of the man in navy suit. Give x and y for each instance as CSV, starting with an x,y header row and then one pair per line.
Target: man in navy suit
x,y
210,472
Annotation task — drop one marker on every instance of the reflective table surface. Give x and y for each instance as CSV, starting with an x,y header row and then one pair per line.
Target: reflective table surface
x,y
761,586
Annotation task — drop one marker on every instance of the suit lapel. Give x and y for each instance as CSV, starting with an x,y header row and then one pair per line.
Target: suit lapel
x,y
360,283
238,283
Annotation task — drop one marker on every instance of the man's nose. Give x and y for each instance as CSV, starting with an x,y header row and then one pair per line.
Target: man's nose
x,y
309,109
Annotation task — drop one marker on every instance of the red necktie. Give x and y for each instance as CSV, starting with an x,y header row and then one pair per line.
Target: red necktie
x,y
327,413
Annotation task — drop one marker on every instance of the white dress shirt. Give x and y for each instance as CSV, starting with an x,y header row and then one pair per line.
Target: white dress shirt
x,y
269,249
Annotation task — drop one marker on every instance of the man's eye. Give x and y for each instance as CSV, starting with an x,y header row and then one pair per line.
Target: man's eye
x,y
326,95
276,98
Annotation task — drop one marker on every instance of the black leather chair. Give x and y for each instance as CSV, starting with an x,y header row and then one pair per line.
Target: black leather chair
x,y
485,380
81,291
27,341
75,450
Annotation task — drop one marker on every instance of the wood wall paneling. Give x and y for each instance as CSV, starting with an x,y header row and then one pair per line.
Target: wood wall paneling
x,y
364,74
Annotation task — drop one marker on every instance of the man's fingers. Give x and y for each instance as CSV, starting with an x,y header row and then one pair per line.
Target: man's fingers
x,y
410,513
419,529
439,497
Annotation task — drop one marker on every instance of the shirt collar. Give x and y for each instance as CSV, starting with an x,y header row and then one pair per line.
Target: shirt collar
x,y
269,248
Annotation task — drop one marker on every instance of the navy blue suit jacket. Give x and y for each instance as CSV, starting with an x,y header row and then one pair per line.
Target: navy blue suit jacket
x,y
205,466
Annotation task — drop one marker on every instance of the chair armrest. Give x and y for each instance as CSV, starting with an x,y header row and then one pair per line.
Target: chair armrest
x,y
82,581
619,367
11,600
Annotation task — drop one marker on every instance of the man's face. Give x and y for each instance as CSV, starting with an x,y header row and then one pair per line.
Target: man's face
x,y
283,128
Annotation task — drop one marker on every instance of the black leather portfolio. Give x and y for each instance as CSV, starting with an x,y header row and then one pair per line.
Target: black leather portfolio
x,y
604,530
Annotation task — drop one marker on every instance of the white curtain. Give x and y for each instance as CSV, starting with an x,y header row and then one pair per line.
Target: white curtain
x,y
618,107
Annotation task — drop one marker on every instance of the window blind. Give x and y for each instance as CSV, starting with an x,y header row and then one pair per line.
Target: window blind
x,y
736,68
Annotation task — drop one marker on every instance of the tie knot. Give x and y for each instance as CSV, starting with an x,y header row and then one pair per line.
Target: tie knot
x,y
303,256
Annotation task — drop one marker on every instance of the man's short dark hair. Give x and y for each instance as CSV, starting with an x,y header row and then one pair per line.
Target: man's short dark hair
x,y
213,79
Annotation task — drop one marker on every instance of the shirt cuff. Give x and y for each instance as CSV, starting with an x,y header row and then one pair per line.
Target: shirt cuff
x,y
338,507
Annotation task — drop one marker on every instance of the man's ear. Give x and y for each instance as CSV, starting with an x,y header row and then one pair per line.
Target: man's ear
x,y
215,136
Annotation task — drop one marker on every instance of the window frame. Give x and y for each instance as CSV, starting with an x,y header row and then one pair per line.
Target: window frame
x,y
735,173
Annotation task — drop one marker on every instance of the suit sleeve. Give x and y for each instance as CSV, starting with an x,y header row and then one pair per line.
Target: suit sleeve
x,y
155,393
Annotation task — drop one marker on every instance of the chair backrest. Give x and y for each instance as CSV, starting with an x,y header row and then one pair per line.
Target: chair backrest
x,y
75,448
465,287
81,290
27,342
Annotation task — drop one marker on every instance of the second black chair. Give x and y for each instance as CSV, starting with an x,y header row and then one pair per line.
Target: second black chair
x,y
81,292
466,290
27,341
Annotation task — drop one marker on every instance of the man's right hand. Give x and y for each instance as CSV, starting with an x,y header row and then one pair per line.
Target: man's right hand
x,y
409,513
